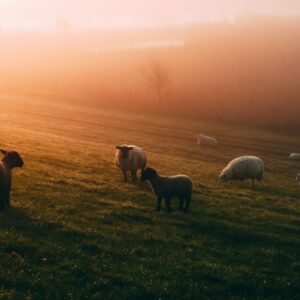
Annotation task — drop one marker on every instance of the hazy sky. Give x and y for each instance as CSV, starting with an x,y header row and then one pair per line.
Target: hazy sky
x,y
85,14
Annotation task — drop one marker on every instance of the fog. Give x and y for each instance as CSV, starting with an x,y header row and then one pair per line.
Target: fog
x,y
246,71
53,15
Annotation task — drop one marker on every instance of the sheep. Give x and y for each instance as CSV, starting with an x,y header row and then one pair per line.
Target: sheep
x,y
295,156
205,140
130,158
244,167
298,177
10,160
166,187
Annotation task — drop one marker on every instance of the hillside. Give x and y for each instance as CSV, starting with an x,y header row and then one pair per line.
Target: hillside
x,y
82,233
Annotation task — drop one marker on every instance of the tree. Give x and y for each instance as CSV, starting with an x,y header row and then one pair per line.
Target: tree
x,y
156,76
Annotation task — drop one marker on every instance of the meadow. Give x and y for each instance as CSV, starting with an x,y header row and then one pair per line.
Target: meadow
x,y
80,232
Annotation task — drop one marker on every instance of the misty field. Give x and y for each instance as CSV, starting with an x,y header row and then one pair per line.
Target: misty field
x,y
80,232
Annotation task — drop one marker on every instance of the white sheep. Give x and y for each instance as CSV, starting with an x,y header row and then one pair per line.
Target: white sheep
x,y
295,156
205,140
242,168
130,158
10,160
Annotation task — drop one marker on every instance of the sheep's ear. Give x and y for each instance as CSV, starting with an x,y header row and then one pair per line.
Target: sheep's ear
x,y
118,147
3,151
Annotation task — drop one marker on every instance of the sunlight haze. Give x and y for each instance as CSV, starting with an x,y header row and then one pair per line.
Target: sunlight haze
x,y
150,149
46,15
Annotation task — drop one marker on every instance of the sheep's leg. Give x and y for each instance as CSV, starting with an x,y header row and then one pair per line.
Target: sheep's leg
x,y
2,205
158,206
7,202
6,198
133,175
252,184
187,203
125,175
4,201
181,201
168,204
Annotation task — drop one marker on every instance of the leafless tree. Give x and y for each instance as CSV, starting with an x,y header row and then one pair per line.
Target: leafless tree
x,y
156,76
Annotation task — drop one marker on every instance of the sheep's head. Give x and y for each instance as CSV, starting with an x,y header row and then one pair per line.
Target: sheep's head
x,y
124,150
199,136
148,174
225,175
222,178
12,158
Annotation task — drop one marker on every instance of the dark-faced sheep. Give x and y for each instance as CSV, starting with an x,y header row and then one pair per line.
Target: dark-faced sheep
x,y
166,187
242,168
10,160
130,158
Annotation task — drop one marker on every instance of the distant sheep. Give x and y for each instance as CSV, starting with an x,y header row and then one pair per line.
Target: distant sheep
x,y
295,156
130,158
10,160
298,177
167,187
242,168
205,140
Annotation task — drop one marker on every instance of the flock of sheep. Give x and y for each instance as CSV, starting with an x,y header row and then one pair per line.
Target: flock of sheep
x,y
131,158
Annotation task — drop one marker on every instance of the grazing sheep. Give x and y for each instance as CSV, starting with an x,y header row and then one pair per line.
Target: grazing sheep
x,y
10,160
130,158
295,156
244,167
205,140
166,187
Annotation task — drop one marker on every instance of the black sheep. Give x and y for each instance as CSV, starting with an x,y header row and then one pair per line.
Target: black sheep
x,y
10,160
166,187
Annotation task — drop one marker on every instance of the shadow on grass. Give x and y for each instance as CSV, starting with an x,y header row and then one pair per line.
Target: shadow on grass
x,y
91,263
37,242
239,234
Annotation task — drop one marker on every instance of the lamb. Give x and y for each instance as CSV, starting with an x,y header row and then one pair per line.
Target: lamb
x,y
10,160
130,158
205,140
167,187
295,156
242,168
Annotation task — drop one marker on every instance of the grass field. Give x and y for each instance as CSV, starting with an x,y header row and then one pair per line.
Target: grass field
x,y
82,233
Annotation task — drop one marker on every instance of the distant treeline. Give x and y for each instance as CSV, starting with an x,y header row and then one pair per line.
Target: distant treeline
x,y
245,72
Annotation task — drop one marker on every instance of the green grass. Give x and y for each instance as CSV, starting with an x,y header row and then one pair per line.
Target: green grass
x,y
83,233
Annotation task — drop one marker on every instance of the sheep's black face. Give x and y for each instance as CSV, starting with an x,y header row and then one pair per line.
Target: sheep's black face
x,y
222,178
13,158
148,174
124,150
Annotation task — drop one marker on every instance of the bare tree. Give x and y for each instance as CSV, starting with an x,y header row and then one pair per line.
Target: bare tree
x,y
156,76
